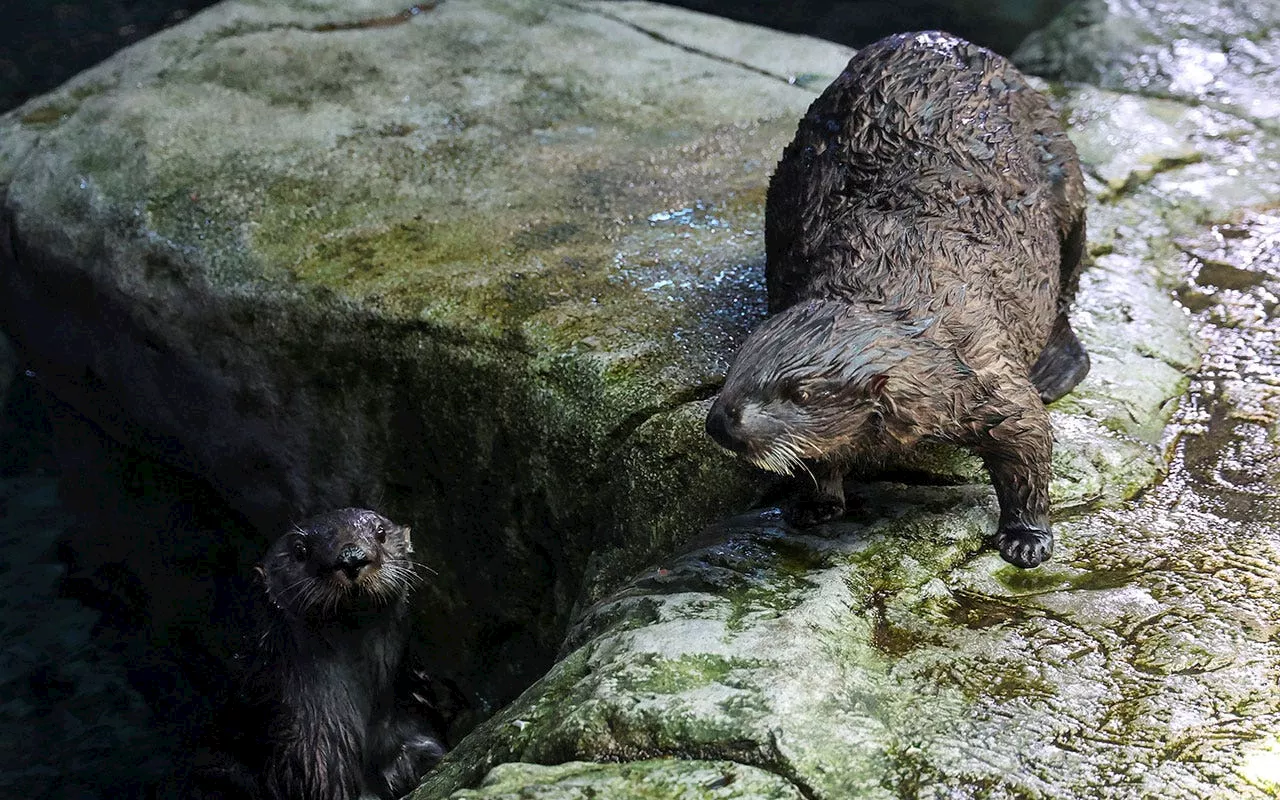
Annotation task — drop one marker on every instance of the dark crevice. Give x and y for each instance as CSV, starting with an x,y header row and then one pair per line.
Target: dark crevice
x,y
1139,178
378,22
782,770
1270,126
236,30
636,419
789,80
780,766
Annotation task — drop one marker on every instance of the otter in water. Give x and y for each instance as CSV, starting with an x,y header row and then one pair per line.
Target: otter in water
x,y
326,708
923,233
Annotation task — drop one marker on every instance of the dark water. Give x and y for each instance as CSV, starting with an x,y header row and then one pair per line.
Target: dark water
x,y
68,707
998,24
43,43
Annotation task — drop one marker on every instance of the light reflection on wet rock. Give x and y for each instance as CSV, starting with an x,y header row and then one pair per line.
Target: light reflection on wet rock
x,y
1217,51
1232,410
884,659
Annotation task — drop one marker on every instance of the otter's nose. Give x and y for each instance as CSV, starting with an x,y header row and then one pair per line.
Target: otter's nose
x,y
723,423
351,559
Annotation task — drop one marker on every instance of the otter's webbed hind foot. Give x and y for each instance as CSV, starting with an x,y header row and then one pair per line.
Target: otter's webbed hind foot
x,y
1024,546
1062,364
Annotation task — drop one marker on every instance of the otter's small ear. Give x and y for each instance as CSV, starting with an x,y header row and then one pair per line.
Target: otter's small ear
x,y
876,385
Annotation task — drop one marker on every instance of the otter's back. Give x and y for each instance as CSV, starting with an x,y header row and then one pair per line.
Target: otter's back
x,y
928,174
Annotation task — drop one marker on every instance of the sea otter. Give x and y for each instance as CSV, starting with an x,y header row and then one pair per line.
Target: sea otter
x,y
326,708
923,236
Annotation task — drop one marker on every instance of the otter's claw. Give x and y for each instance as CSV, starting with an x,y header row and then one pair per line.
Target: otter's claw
x,y
1024,546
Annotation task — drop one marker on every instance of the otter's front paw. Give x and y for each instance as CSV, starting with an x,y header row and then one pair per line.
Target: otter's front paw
x,y
805,512
1024,546
424,751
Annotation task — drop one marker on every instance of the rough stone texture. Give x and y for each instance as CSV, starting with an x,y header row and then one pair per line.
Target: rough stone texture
x,y
465,265
887,662
881,659
639,780
482,266
1216,52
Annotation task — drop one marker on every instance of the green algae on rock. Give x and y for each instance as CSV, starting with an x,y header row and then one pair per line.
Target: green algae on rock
x,y
892,663
484,268
472,267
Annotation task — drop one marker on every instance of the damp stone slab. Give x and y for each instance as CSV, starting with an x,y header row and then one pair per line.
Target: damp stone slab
x,y
1220,53
469,262
660,779
880,658
483,264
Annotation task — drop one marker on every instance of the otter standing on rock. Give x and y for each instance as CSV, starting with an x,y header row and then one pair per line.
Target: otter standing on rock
x,y
325,711
924,233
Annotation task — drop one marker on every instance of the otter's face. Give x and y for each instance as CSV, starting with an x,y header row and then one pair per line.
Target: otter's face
x,y
342,560
810,384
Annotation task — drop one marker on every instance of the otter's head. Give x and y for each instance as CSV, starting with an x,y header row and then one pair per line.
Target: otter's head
x,y
341,561
820,381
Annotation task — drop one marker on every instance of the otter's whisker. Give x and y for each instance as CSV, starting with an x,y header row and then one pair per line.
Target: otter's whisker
x,y
800,463
298,586
420,565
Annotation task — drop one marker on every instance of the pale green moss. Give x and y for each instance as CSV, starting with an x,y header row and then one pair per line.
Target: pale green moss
x,y
640,780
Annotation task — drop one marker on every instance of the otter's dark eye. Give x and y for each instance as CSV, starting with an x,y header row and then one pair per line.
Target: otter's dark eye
x,y
382,533
798,394
300,549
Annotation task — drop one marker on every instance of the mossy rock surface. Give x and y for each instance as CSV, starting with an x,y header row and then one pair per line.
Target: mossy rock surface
x,y
637,780
483,265
880,658
469,265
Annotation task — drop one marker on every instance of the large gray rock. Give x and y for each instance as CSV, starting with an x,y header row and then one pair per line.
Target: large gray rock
x,y
470,265
482,266
881,659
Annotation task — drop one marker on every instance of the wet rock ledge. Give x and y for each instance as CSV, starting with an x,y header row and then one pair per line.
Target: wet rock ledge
x,y
480,264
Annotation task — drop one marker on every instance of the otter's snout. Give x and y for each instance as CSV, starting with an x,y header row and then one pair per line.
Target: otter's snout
x,y
351,559
724,424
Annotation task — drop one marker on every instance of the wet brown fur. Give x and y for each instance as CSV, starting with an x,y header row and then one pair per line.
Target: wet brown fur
x,y
924,232
324,710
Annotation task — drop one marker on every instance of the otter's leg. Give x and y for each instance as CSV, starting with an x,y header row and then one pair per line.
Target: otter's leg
x,y
822,501
1062,364
1017,452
